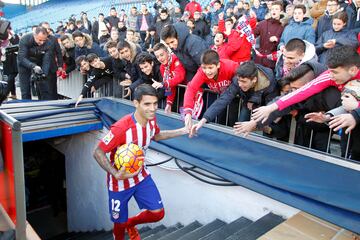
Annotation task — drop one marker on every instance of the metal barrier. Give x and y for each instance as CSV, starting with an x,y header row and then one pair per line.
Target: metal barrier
x,y
71,88
12,183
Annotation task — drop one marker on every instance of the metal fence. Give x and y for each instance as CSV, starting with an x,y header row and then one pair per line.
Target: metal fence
x,y
72,86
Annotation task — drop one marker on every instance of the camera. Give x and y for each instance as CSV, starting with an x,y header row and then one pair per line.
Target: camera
x,y
38,77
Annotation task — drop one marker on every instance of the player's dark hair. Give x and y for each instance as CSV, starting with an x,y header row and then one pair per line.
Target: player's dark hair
x,y
247,70
168,31
298,72
91,57
343,56
144,57
296,44
210,57
79,59
144,90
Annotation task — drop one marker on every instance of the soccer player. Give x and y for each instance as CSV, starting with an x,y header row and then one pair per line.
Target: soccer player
x,y
139,128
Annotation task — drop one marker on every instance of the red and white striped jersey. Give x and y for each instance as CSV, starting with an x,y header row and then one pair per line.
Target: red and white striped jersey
x,y
127,130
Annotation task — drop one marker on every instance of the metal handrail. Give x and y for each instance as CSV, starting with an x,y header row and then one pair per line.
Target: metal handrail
x,y
19,179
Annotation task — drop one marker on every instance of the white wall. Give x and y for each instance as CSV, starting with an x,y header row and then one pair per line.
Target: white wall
x,y
185,198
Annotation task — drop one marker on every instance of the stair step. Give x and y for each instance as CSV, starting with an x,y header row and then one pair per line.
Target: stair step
x,y
152,231
182,231
141,230
228,229
204,230
258,228
92,235
103,236
164,232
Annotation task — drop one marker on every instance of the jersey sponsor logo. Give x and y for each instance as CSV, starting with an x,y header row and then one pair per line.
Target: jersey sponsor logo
x,y
107,139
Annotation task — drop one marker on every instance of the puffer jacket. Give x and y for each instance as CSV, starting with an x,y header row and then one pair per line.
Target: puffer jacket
x,y
302,30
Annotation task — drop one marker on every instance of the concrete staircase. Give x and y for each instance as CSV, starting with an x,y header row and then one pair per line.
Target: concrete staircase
x,y
240,229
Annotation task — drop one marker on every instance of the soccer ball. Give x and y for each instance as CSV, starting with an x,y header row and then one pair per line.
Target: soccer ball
x,y
129,155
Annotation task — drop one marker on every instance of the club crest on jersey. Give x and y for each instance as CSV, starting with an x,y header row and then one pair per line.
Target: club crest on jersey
x,y
115,215
107,139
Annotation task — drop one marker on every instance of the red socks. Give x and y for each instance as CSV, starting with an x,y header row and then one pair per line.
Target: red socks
x,y
119,231
146,217
143,217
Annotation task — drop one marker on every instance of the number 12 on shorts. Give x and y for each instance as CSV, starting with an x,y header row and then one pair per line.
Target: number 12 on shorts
x,y
115,205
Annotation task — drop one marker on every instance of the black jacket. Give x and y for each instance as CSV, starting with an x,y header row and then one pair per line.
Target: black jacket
x,y
356,114
69,60
147,79
113,21
118,66
189,50
31,54
56,59
98,77
260,95
182,4
10,63
201,29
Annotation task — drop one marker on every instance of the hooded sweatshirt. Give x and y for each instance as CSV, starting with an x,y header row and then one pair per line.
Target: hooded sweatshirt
x,y
189,50
310,55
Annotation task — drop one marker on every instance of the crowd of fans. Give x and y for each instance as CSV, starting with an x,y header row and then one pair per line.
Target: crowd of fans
x,y
284,59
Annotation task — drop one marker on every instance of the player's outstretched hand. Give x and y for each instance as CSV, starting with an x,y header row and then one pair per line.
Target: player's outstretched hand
x,y
122,174
343,121
261,114
244,127
318,117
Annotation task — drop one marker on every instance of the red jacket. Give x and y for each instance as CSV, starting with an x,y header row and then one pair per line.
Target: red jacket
x,y
192,7
239,48
226,72
176,76
222,50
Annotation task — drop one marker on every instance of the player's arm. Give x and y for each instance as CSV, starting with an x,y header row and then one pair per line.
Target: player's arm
x,y
166,134
104,162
